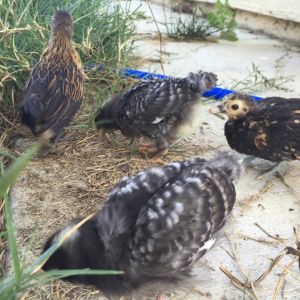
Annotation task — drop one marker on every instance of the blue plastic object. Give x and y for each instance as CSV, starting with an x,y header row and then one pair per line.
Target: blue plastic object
x,y
216,93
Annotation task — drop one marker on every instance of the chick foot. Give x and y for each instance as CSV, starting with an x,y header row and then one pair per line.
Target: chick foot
x,y
157,157
147,148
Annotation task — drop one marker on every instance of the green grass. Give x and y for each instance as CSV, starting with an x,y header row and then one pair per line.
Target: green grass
x,y
189,27
195,26
22,278
256,80
103,33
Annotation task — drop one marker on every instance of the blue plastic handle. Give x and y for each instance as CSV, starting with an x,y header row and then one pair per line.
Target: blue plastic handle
x,y
216,93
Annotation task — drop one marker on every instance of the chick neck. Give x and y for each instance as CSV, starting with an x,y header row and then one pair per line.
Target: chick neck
x,y
61,44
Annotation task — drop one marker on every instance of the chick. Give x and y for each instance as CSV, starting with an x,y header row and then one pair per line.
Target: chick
x,y
269,129
153,226
54,90
157,109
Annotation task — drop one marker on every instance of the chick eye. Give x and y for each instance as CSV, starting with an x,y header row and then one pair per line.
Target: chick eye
x,y
235,107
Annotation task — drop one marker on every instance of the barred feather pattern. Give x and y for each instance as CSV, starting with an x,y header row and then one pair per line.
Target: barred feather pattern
x,y
156,108
155,224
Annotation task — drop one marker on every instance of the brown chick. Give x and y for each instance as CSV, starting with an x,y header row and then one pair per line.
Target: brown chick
x,y
54,91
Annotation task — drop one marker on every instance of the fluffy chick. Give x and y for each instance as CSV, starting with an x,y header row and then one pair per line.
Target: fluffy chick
x,y
54,90
154,225
269,129
156,109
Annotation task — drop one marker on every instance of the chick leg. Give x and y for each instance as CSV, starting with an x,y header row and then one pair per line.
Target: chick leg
x,y
272,170
62,137
162,146
156,154
147,148
157,157
266,167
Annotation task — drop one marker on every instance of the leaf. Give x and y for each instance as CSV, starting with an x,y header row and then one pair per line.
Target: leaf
x,y
229,35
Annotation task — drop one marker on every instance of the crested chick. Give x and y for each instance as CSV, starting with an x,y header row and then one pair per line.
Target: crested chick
x,y
153,226
157,109
269,129
54,90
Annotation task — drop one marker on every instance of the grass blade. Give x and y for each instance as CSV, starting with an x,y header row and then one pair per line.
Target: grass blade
x,y
10,176
7,179
11,239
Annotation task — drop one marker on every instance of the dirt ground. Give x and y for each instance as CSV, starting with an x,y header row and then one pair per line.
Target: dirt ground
x,y
74,180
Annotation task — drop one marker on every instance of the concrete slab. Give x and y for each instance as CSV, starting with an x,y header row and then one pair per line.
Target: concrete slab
x,y
279,19
230,60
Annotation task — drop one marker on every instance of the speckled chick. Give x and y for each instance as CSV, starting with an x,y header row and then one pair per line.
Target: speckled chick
x,y
269,129
154,225
54,90
161,110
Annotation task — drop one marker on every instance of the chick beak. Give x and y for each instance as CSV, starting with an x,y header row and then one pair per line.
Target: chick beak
x,y
101,132
220,108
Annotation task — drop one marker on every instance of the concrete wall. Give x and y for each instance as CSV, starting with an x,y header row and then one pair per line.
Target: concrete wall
x,y
282,9
277,18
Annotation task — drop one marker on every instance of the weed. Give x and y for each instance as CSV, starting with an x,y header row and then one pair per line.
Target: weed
x,y
221,21
191,26
256,80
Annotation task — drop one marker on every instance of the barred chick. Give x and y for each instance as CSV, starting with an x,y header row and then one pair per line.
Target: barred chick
x,y
269,129
54,91
154,225
157,109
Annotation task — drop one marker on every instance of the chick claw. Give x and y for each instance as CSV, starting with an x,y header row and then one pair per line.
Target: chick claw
x,y
157,157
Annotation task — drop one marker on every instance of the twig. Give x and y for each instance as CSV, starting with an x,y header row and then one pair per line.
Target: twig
x,y
295,276
160,39
238,284
228,252
233,278
281,278
268,234
297,239
259,240
282,289
8,121
236,259
274,262
250,285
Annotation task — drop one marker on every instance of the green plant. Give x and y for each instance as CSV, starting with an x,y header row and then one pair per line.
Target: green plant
x,y
22,278
191,26
201,26
103,33
256,80
223,19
